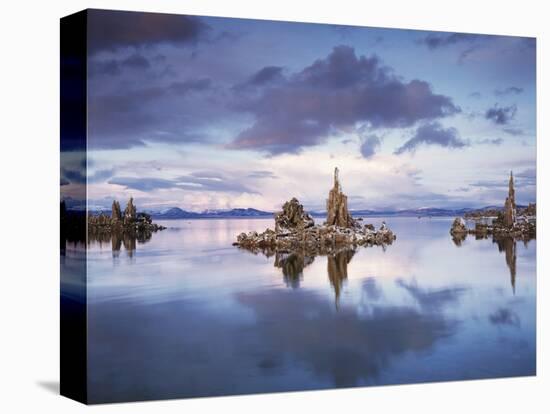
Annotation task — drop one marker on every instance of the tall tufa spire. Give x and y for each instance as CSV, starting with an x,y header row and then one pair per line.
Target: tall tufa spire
x,y
510,204
337,206
511,191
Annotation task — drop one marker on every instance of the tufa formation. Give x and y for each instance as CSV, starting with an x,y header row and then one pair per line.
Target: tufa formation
x,y
130,222
337,206
509,217
295,229
508,223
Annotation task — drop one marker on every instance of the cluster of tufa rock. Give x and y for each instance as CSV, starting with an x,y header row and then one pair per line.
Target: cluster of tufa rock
x,y
293,216
295,229
129,221
508,223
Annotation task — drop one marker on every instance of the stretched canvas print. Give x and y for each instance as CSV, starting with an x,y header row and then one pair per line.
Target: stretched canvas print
x,y
255,206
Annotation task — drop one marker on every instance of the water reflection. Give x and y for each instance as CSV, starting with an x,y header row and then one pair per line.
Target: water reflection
x,y
458,239
506,244
290,332
505,317
407,315
117,240
292,266
337,267
128,240
72,228
432,300
344,346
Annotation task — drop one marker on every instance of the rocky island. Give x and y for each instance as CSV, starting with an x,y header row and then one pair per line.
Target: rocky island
x,y
129,222
509,222
295,229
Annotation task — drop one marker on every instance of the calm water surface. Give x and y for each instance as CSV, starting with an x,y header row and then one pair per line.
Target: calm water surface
x,y
186,314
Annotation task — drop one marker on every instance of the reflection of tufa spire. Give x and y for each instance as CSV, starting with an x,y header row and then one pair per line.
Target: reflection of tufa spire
x,y
337,268
508,246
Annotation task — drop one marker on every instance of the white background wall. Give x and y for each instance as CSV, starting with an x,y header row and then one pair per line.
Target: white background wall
x,y
29,278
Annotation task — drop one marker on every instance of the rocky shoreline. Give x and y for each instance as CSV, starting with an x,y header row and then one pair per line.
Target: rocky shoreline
x,y
295,229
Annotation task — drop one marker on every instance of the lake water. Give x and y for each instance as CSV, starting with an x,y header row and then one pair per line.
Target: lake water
x,y
186,314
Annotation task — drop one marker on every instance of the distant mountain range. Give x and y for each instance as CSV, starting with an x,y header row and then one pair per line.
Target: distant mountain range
x,y
178,213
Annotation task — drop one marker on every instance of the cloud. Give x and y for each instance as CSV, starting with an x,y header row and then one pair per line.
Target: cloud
x,y
199,181
110,67
191,85
209,175
513,131
511,90
118,121
438,40
523,178
70,176
143,184
490,184
427,198
113,67
489,141
262,174
109,30
136,61
265,76
526,177
501,115
465,54
433,134
127,119
335,93
475,95
369,146
511,54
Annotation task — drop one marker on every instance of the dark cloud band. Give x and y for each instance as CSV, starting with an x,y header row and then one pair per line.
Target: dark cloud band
x,y
111,30
335,93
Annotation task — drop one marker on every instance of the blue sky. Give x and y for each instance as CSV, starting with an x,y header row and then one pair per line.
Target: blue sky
x,y
209,113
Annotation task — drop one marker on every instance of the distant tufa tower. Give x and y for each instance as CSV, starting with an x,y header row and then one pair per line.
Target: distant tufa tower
x,y
510,204
337,206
